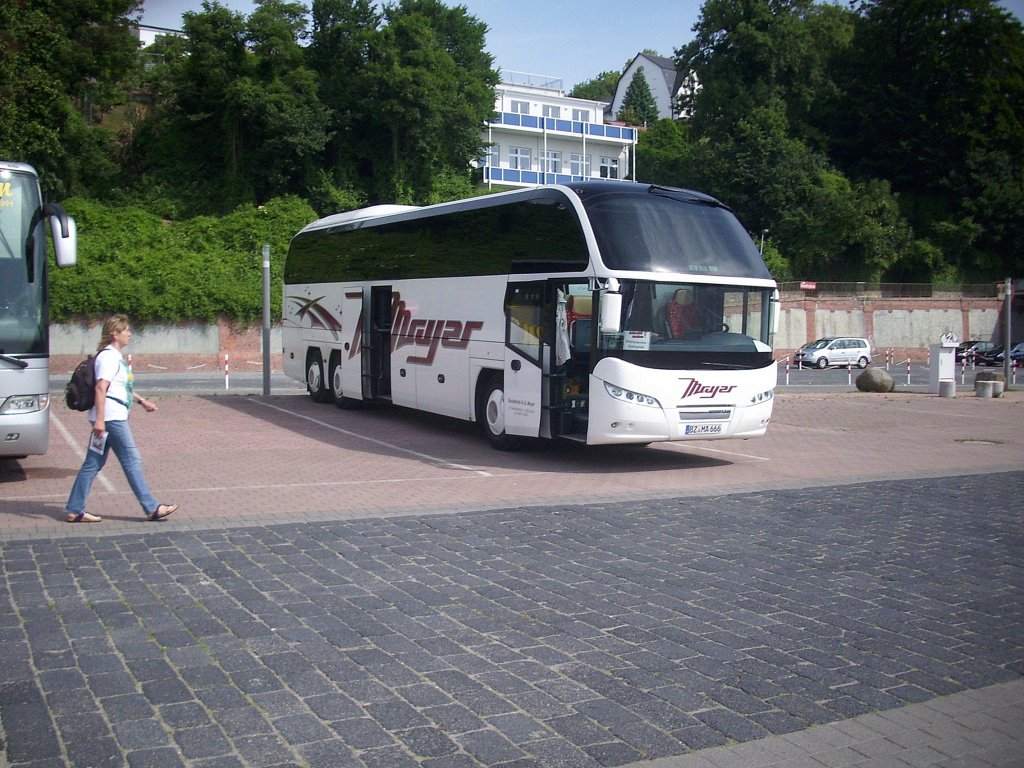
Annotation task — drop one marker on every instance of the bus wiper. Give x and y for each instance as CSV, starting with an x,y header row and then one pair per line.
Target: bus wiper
x,y
673,194
15,361
732,366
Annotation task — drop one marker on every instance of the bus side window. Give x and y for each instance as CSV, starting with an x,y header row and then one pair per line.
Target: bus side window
x,y
524,305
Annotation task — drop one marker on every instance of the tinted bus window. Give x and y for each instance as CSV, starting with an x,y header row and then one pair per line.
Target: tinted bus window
x,y
655,233
514,238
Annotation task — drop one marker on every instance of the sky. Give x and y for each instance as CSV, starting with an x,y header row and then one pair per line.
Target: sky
x,y
569,40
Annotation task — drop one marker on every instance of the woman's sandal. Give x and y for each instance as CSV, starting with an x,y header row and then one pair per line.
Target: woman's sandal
x,y
161,512
82,517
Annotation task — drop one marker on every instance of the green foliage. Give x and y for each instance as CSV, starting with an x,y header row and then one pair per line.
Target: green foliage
x,y
156,270
638,105
875,140
600,88
880,143
60,69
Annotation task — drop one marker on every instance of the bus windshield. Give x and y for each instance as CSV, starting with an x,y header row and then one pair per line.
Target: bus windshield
x,y
22,279
672,231
694,325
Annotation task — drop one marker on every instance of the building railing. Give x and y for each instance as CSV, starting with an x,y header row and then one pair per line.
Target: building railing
x,y
514,176
571,127
867,290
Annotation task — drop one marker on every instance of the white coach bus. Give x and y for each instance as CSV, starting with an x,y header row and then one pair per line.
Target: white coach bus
x,y
25,307
599,312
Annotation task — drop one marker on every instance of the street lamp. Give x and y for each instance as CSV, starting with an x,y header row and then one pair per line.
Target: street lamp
x,y
763,233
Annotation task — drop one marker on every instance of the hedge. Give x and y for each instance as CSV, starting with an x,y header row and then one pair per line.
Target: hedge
x,y
156,270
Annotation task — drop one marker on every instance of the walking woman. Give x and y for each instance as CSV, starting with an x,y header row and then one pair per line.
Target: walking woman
x,y
110,430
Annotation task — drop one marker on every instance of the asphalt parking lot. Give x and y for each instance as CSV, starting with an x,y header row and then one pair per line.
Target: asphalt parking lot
x,y
379,588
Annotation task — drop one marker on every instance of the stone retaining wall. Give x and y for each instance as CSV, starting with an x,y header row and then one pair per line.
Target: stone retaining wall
x,y
905,326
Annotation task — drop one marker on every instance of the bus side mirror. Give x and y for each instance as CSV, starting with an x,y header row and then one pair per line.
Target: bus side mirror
x,y
65,239
776,311
611,312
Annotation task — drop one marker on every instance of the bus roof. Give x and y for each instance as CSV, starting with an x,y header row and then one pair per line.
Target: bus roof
x,y
581,190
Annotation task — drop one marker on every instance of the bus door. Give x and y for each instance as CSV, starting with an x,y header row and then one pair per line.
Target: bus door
x,y
352,356
524,357
378,362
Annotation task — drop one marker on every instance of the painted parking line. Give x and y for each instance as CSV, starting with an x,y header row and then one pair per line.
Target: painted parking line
x,y
384,444
76,446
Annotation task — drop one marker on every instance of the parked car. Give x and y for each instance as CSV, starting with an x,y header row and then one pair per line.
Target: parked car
x,y
993,356
840,350
973,347
1016,355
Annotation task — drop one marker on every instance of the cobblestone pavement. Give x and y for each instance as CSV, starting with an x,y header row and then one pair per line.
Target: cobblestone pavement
x,y
590,635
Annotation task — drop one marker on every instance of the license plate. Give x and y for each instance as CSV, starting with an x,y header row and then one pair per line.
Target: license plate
x,y
703,429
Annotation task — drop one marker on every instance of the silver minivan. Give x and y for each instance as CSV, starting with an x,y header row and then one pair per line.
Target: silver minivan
x,y
839,350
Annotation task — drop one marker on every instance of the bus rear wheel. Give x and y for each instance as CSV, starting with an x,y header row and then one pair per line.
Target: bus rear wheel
x,y
315,384
491,415
345,403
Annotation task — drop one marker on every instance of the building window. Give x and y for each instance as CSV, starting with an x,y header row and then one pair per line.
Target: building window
x,y
609,167
491,155
551,111
520,107
552,161
581,115
579,165
519,158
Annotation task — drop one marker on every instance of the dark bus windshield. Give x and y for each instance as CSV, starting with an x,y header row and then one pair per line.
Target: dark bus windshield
x,y
672,231
23,328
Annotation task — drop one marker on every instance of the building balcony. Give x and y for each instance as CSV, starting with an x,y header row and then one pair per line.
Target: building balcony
x,y
618,133
495,175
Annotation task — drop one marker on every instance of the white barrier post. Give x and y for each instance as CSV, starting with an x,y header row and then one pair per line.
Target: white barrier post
x,y
849,372
787,370
225,371
908,371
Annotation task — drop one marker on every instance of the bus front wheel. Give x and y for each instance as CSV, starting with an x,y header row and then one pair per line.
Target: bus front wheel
x,y
315,384
491,415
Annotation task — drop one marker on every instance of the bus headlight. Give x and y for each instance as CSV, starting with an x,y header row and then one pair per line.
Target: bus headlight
x,y
24,404
760,397
628,396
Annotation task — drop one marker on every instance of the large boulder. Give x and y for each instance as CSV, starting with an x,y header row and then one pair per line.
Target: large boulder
x,y
989,376
875,380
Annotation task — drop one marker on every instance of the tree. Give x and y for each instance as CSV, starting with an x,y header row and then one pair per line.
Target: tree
x,y
243,122
428,87
932,98
60,73
638,105
600,88
663,154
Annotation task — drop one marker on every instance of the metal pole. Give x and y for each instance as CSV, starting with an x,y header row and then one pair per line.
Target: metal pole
x,y
1008,327
266,320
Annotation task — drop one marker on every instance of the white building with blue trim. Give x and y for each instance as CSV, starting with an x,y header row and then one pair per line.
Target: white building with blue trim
x,y
541,136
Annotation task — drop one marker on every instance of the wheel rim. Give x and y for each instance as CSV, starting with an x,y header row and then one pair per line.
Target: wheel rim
x,y
336,381
862,363
822,363
494,412
314,376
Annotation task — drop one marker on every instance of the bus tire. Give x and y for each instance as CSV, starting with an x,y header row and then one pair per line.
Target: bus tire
x,y
490,412
340,400
315,383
